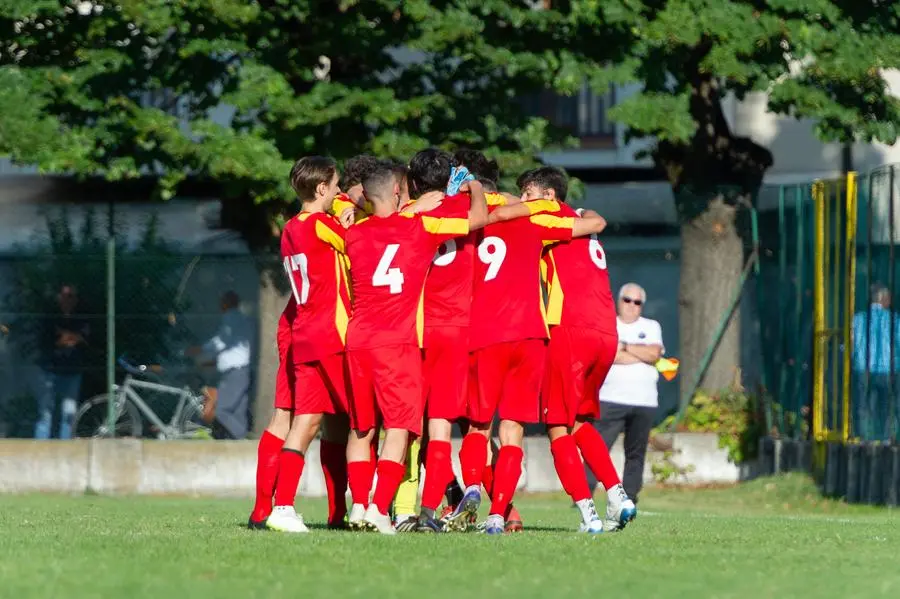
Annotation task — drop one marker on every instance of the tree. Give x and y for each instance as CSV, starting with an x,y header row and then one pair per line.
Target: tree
x,y
233,92
822,59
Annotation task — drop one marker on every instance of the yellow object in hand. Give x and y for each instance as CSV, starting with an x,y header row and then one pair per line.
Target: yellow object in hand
x,y
668,367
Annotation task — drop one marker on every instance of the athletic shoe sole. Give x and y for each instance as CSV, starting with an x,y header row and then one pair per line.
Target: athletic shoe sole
x,y
468,513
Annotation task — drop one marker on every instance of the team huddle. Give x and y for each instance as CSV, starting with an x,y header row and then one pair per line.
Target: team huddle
x,y
423,298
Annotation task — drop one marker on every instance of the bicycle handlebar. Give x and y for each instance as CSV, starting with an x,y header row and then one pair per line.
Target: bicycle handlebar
x,y
131,368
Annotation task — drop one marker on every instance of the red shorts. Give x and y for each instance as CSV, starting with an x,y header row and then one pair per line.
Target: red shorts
x,y
446,371
578,361
284,383
508,379
321,387
390,379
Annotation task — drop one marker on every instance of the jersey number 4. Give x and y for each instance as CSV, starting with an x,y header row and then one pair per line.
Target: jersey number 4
x,y
298,263
385,275
492,251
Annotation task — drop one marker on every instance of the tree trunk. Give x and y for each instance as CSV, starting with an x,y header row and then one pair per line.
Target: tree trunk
x,y
271,303
711,263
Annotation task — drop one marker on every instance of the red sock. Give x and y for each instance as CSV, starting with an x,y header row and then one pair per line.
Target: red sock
x,y
472,457
359,476
334,467
487,480
438,472
506,473
390,474
596,454
266,474
290,469
569,468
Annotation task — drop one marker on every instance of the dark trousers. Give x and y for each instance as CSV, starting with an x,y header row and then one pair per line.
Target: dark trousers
x,y
636,424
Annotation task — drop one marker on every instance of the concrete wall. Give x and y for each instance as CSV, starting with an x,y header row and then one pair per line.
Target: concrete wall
x,y
210,468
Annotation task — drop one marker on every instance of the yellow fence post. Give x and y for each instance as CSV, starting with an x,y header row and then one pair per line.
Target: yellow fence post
x,y
849,300
819,333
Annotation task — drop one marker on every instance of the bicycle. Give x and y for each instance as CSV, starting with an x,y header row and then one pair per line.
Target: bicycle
x,y
91,420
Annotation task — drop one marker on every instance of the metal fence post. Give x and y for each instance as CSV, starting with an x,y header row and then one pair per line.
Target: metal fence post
x,y
111,325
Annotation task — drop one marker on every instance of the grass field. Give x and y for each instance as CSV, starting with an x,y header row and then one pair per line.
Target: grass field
x,y
769,538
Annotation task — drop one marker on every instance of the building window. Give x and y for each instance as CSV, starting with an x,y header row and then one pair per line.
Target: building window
x,y
583,114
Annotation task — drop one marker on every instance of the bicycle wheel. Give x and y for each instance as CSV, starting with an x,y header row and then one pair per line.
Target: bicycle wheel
x,y
190,425
91,418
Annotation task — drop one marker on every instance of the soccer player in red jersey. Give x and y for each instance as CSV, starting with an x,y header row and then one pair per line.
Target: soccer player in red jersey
x,y
312,247
447,302
508,336
582,348
390,254
583,343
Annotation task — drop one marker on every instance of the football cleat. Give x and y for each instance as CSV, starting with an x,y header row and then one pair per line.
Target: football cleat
x,y
356,520
380,522
285,519
594,527
466,511
256,524
514,520
620,510
428,524
409,524
494,525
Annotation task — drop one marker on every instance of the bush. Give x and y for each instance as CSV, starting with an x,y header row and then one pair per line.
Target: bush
x,y
732,413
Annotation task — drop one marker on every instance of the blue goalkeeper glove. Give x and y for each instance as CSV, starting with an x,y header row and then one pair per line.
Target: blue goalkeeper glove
x,y
458,176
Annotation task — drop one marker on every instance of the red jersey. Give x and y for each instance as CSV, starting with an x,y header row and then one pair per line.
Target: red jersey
x,y
312,247
390,257
508,303
578,283
448,288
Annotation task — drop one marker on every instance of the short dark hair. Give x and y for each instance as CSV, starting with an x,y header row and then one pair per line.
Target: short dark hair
x,y
376,181
485,170
429,170
308,172
545,177
356,168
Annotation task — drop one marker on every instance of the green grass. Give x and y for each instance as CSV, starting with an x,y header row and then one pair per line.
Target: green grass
x,y
768,538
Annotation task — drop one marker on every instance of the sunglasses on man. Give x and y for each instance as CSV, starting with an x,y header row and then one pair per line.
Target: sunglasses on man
x,y
629,300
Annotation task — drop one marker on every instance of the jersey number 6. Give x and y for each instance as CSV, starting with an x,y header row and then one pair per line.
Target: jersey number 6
x,y
385,275
598,256
492,251
445,254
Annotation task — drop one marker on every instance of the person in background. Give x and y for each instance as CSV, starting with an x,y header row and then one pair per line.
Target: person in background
x,y
629,397
876,389
64,340
230,347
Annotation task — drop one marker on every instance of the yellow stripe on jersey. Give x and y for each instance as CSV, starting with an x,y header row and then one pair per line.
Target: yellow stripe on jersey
x,y
555,291
495,199
420,319
535,206
553,222
445,226
329,236
341,318
342,202
303,216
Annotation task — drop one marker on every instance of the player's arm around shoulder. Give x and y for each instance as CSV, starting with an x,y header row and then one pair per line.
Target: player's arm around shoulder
x,y
478,211
588,223
331,231
523,209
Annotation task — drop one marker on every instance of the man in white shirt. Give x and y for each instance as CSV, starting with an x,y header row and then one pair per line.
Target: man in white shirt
x,y
231,349
628,397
